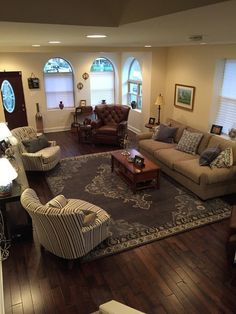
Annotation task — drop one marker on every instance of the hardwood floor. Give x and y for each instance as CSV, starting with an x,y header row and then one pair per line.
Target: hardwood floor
x,y
187,273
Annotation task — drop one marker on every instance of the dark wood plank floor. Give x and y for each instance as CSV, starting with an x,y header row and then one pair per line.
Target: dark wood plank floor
x,y
187,273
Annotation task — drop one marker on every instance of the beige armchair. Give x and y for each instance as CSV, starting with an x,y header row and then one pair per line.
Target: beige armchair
x,y
68,228
41,160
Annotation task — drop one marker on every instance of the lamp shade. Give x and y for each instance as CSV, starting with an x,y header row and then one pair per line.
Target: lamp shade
x,y
4,131
7,174
159,101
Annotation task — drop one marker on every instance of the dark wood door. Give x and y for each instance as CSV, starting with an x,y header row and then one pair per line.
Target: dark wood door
x,y
13,99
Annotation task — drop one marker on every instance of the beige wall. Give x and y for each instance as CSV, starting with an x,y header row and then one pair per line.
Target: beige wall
x,y
199,66
27,63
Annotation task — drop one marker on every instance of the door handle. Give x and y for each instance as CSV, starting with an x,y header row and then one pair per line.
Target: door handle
x,y
23,107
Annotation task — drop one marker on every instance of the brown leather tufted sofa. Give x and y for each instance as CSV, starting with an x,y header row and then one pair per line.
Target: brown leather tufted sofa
x,y
111,124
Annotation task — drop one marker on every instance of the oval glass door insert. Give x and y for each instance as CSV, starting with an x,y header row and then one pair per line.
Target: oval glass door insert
x,y
8,96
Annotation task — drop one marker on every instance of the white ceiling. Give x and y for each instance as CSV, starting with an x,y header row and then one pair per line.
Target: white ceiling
x,y
127,23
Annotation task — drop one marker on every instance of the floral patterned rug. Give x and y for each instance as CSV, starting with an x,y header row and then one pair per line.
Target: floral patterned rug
x,y
139,218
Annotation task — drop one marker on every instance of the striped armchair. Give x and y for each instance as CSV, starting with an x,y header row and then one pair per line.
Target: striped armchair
x,y
42,160
68,228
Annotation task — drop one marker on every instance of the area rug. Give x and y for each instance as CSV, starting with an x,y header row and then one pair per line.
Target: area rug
x,y
136,219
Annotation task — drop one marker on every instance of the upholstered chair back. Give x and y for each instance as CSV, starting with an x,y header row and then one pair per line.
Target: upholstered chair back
x,y
60,224
22,133
112,114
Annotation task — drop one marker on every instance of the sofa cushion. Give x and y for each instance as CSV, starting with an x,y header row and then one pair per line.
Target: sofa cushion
x,y
224,159
35,144
217,140
151,146
204,141
189,142
166,133
49,153
155,132
180,127
192,170
208,155
170,156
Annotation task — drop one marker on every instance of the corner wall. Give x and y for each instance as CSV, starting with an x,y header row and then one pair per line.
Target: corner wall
x,y
199,66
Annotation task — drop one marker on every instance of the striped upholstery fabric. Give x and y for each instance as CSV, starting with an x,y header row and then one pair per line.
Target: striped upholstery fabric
x,y
43,160
61,230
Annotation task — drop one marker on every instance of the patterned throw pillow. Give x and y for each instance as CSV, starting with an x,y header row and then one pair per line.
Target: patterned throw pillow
x,y
224,159
189,142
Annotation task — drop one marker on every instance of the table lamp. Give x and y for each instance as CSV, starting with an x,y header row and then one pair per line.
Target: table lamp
x,y
159,102
7,175
4,131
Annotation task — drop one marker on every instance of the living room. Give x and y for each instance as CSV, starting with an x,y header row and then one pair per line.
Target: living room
x,y
177,279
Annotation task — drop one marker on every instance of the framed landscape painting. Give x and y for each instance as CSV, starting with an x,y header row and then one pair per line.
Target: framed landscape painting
x,y
184,96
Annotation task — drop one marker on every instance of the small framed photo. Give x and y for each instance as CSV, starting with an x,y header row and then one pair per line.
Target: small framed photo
x,y
216,129
138,161
184,96
152,121
82,103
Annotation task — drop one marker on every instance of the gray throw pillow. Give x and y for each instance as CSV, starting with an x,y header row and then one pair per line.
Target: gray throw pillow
x,y
189,142
166,133
208,155
36,144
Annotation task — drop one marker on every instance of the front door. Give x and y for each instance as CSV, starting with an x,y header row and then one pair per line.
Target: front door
x,y
13,99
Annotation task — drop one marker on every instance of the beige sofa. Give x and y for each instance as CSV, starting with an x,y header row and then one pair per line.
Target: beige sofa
x,y
184,168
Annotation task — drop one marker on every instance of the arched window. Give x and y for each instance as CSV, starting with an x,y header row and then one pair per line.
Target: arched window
x,y
102,81
59,83
135,84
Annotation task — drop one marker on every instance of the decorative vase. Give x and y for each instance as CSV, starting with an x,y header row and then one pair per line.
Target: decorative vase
x,y
39,119
133,104
61,105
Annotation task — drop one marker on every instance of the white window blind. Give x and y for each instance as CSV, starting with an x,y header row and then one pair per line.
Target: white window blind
x,y
102,87
226,115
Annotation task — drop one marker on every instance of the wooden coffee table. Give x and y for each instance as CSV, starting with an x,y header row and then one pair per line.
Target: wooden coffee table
x,y
137,178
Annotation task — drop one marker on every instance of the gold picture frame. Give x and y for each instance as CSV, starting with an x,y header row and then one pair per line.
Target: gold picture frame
x,y
184,96
82,103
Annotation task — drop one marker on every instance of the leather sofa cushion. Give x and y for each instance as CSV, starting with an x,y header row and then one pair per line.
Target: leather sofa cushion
x,y
151,146
170,156
109,129
192,170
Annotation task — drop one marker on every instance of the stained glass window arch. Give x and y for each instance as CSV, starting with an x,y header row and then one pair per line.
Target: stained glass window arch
x,y
8,96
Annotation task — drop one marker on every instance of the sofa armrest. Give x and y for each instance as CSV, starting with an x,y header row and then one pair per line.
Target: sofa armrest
x,y
143,136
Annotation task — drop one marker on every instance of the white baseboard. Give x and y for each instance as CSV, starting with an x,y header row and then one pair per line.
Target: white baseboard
x,y
56,129
131,128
